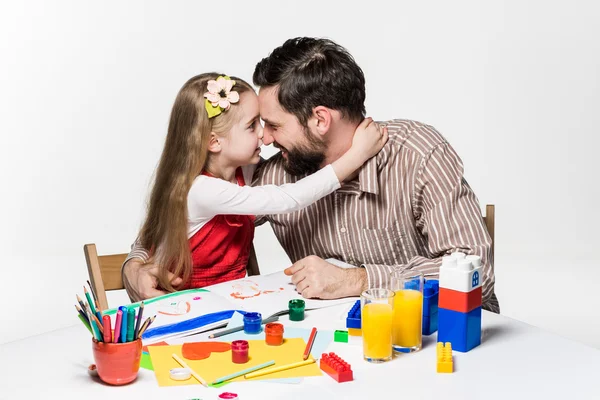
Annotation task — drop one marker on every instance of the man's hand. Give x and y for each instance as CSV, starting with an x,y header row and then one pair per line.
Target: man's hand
x,y
316,278
141,280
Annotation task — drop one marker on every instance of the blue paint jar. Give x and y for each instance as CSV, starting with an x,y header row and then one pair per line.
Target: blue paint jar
x,y
252,323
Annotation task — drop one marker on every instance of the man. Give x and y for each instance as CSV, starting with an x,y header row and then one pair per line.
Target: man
x,y
404,209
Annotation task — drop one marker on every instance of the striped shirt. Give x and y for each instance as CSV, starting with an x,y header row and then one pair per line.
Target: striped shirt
x,y
409,206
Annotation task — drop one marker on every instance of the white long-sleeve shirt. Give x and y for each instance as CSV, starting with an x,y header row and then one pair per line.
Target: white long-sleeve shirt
x,y
211,196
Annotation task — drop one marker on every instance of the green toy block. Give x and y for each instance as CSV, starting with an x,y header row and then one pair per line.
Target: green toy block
x,y
340,336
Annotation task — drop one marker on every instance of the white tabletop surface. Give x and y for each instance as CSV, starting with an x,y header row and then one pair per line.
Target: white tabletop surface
x,y
514,361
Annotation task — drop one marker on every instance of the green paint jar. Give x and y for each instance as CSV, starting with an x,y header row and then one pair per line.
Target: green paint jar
x,y
296,307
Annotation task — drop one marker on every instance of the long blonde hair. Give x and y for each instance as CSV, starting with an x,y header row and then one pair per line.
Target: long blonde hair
x,y
184,157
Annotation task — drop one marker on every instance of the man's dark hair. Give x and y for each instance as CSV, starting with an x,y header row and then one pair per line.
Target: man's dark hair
x,y
313,72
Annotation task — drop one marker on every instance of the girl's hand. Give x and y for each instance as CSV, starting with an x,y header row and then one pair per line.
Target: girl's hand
x,y
369,139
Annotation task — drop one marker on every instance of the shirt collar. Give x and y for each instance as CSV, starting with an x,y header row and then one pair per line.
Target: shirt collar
x,y
368,177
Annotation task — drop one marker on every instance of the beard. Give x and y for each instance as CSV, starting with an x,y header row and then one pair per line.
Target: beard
x,y
305,159
303,162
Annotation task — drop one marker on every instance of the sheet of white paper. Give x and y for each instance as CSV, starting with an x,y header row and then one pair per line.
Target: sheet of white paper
x,y
268,294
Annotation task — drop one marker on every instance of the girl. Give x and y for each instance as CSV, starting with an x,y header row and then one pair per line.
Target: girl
x,y
200,223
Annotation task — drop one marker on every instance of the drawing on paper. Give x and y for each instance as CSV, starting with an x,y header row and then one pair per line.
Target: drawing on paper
x,y
246,289
175,308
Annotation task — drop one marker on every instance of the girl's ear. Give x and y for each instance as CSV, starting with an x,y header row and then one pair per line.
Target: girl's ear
x,y
214,143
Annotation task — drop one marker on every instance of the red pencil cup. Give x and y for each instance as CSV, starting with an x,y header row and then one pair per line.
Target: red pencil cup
x,y
117,363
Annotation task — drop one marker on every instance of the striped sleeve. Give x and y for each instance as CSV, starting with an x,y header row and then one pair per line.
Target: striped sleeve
x,y
137,251
448,215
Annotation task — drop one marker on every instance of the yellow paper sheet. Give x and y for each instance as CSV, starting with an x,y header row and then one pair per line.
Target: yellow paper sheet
x,y
220,364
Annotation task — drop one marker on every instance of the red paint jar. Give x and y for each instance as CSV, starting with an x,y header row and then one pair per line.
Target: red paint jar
x,y
239,351
274,334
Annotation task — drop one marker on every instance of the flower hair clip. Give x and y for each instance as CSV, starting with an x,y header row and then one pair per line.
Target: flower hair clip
x,y
220,96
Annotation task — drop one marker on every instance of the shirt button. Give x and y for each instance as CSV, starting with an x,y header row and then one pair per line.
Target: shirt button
x,y
343,230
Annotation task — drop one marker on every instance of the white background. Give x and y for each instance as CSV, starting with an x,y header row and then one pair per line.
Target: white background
x,y
86,90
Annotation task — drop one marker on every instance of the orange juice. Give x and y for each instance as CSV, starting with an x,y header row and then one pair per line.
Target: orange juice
x,y
377,331
406,326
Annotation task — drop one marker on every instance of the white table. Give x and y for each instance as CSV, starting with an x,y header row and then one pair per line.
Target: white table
x,y
514,361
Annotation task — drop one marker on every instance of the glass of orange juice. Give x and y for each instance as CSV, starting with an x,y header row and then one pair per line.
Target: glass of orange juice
x,y
408,311
376,313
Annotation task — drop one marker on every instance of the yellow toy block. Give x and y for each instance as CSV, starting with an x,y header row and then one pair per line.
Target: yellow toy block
x,y
444,358
354,332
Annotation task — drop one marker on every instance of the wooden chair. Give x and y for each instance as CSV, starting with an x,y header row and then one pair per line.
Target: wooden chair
x,y
489,220
105,271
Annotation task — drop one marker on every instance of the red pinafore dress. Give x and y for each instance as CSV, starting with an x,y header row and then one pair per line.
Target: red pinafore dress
x,y
220,249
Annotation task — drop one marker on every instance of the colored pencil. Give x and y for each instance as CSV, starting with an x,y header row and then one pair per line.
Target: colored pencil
x,y
144,327
118,323
94,326
80,311
100,326
243,372
311,340
99,318
106,329
84,320
80,303
139,320
278,369
194,373
93,293
89,299
239,328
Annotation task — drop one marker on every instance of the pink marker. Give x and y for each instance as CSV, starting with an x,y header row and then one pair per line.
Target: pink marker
x,y
118,326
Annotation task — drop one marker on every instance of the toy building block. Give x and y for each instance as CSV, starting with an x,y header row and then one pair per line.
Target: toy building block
x,y
460,275
335,367
444,358
459,308
463,330
430,306
340,336
460,301
430,324
353,322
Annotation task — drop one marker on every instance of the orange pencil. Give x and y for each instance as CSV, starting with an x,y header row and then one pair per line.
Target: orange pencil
x,y
146,325
143,327
309,345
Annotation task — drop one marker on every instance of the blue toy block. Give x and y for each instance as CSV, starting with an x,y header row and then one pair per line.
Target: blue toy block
x,y
353,319
463,330
430,324
431,292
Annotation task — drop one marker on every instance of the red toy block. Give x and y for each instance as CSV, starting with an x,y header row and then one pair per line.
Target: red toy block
x,y
459,301
336,368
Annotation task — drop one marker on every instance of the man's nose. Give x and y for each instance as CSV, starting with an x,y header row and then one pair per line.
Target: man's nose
x,y
267,138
